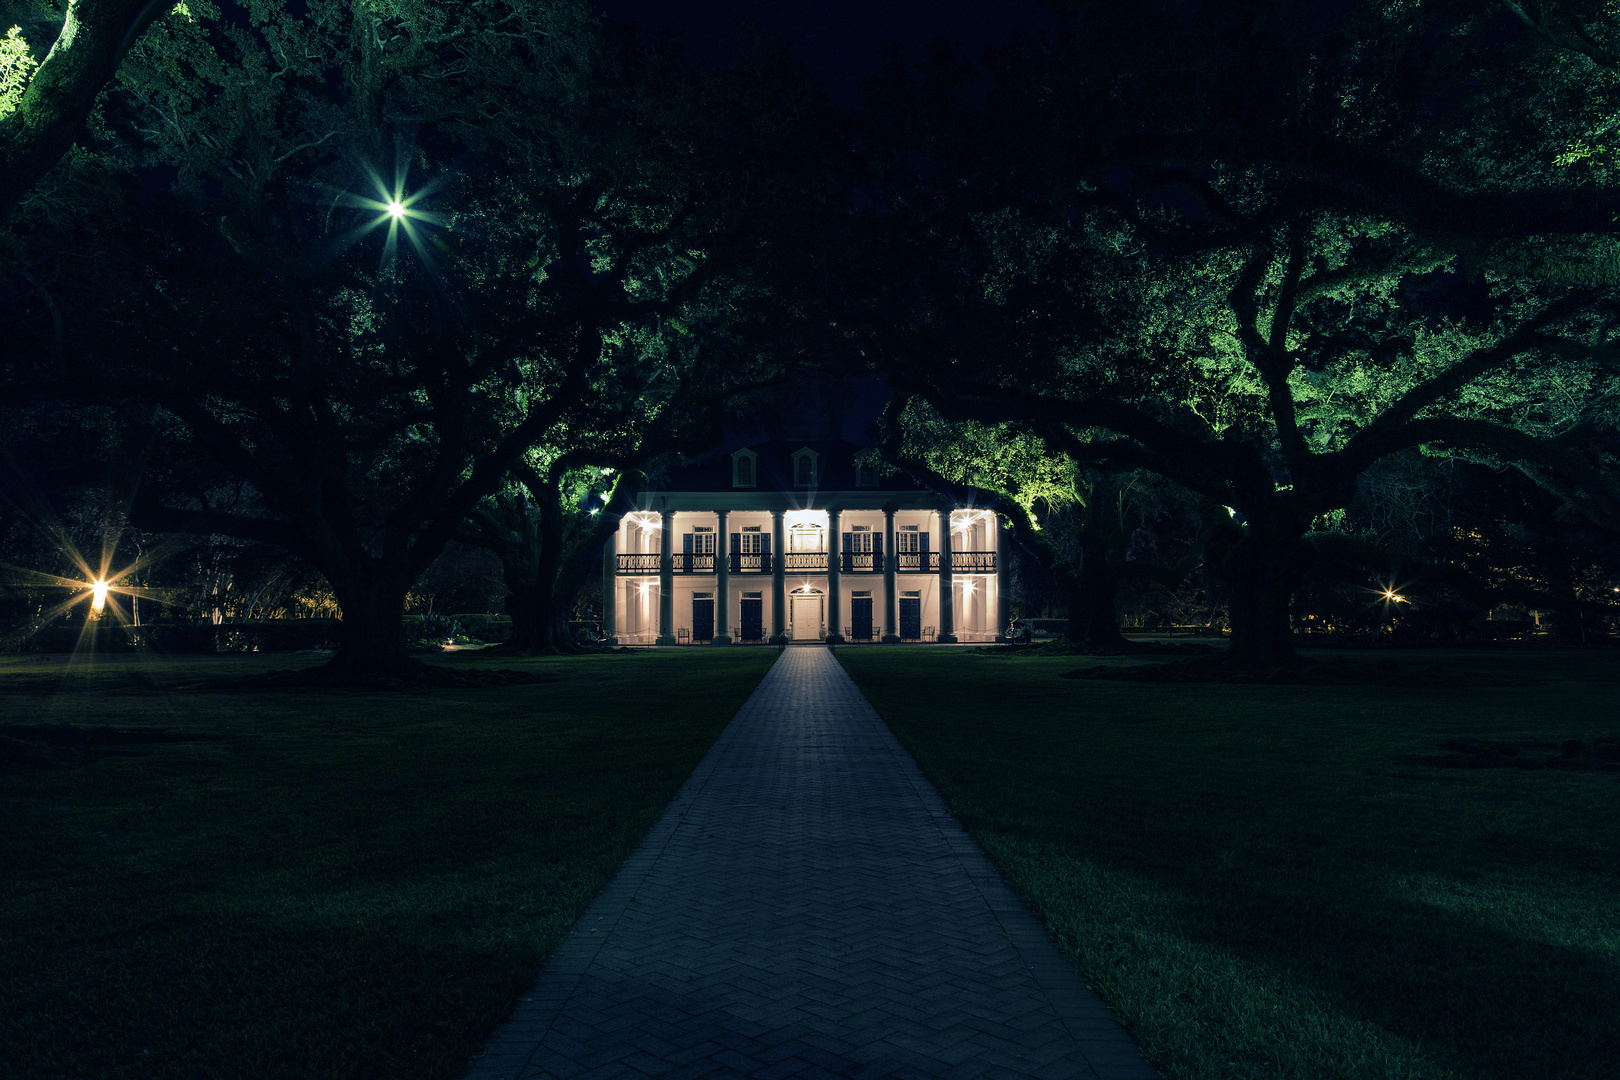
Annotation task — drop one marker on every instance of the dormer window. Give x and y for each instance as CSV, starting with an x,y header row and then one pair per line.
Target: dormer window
x,y
742,469
804,468
865,475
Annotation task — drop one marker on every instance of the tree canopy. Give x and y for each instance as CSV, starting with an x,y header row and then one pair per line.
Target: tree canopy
x,y
388,250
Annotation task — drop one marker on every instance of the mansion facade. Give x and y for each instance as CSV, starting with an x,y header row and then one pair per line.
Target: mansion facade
x,y
781,542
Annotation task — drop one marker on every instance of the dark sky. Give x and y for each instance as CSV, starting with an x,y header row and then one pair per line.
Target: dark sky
x,y
840,41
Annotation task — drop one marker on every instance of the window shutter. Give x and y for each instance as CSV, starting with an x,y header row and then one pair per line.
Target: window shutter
x,y
877,542
765,543
922,542
846,554
736,543
686,543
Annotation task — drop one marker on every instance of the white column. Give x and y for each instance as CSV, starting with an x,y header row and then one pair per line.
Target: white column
x,y
610,587
835,605
1003,581
778,580
722,582
891,602
947,629
666,579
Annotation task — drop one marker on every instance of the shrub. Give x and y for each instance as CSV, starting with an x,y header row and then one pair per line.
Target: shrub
x,y
484,628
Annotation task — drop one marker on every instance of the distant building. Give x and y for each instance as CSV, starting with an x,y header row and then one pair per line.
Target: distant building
x,y
793,541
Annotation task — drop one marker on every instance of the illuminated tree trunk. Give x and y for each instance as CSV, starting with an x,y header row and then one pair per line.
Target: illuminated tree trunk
x,y
95,36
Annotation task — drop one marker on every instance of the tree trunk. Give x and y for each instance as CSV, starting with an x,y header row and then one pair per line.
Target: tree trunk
x,y
532,605
371,600
95,36
1093,619
1261,571
530,566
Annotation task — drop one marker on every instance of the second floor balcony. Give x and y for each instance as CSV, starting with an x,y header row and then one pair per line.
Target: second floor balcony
x,y
850,562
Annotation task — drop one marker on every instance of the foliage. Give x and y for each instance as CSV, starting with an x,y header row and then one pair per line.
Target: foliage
x,y
17,64
1256,281
316,371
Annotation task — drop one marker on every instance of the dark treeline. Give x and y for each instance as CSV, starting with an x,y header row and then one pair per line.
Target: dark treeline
x,y
1200,288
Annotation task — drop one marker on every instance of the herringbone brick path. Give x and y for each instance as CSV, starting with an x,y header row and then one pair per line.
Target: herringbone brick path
x,y
807,907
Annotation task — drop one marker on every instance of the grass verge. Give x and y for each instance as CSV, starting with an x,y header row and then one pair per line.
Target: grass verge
x,y
311,883
1287,881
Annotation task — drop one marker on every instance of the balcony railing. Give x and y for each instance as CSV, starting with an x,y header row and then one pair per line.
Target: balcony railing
x,y
905,562
962,562
973,562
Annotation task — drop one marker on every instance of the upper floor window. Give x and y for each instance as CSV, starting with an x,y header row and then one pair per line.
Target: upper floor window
x,y
804,471
742,469
865,475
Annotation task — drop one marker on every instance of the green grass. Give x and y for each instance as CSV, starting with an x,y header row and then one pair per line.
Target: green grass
x,y
1278,881
319,883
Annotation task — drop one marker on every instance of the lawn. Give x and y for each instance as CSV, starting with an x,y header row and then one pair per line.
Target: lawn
x,y
1290,881
317,883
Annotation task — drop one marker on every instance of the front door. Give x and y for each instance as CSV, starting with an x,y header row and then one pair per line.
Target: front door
x,y
860,618
702,618
911,617
806,617
752,621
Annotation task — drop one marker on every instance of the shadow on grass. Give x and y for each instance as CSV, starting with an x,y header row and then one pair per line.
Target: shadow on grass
x,y
320,883
1262,881
1417,950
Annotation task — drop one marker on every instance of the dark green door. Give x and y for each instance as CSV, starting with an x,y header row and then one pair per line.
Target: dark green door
x,y
911,617
860,618
702,618
752,622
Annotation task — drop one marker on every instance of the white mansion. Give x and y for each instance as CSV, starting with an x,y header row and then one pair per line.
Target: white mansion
x,y
781,542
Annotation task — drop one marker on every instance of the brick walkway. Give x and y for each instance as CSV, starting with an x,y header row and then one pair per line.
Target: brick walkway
x,y
807,907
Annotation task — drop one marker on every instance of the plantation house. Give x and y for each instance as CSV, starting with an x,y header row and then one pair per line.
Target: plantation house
x,y
781,542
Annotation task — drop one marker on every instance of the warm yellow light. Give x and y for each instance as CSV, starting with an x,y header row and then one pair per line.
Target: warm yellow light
x,y
98,590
